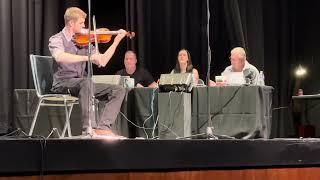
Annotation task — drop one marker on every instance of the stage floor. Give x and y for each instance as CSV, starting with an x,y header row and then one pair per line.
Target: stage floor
x,y
31,156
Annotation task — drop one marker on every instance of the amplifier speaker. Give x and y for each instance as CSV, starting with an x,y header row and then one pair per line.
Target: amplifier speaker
x,y
180,82
174,115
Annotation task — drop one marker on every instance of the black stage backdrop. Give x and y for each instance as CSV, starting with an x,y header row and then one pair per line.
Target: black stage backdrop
x,y
24,29
271,31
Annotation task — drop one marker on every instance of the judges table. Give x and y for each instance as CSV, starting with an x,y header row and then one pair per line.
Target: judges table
x,y
136,109
308,107
145,112
305,100
138,113
238,111
25,104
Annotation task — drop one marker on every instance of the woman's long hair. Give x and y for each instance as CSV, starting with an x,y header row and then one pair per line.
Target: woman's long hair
x,y
189,63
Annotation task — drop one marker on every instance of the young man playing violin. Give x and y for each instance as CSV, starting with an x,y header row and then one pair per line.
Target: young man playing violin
x,y
70,75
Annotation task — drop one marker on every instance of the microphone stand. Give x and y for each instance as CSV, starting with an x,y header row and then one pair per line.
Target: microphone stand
x,y
209,131
209,134
91,102
210,128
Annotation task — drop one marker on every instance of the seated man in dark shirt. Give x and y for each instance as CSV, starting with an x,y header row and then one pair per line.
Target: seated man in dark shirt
x,y
142,78
70,75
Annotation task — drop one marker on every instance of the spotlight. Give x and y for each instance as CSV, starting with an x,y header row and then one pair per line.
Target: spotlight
x,y
300,71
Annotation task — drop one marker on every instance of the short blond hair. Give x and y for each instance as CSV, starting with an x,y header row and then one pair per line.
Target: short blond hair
x,y
73,13
240,51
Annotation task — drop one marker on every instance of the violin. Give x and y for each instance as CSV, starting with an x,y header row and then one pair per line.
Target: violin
x,y
103,35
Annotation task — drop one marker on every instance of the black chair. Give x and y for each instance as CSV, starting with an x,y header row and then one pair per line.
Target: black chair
x,y
42,73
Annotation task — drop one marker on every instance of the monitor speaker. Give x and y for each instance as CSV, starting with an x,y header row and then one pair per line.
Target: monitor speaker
x,y
180,82
107,79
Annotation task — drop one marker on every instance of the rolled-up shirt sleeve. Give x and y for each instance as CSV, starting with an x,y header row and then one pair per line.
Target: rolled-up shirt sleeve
x,y
56,46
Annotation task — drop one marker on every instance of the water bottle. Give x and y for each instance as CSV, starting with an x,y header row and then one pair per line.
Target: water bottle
x,y
261,79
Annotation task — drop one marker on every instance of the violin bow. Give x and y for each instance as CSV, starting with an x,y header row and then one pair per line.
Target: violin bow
x,y
95,34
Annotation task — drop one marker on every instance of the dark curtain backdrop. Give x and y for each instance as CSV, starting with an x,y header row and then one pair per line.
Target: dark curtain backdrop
x,y
279,30
163,28
25,26
264,28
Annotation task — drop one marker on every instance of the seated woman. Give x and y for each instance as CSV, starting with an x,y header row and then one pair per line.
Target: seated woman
x,y
184,65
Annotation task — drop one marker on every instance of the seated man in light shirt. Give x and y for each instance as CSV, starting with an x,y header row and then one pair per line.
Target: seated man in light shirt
x,y
239,63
